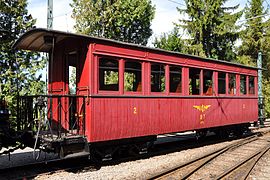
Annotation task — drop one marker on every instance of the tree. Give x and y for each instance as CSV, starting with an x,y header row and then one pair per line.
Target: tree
x,y
170,41
256,37
18,69
124,20
252,35
211,28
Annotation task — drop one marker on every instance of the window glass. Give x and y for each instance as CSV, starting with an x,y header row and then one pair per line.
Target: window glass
x,y
194,81
207,82
243,84
133,76
175,79
221,83
108,74
232,84
157,78
251,85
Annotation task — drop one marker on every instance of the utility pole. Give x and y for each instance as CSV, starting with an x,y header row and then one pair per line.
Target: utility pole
x,y
50,14
260,95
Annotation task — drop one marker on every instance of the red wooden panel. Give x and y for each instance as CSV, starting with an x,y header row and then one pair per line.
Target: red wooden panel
x,y
115,118
168,58
118,50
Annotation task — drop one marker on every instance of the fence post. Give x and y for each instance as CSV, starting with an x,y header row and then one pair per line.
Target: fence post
x,y
260,95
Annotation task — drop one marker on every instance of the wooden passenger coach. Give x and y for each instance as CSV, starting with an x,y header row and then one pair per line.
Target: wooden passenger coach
x,y
131,91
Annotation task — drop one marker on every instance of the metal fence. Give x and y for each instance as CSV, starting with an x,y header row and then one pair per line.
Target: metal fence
x,y
52,115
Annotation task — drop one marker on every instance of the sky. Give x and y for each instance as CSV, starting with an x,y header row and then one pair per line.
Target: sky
x,y
165,17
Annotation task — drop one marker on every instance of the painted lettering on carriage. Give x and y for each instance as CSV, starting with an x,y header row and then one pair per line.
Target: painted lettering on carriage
x,y
135,110
202,108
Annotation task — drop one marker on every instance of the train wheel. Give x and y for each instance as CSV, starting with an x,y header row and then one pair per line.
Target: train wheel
x,y
223,133
238,131
95,156
201,134
0,142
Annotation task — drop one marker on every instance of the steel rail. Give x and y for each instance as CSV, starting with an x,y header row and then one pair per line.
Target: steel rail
x,y
256,156
205,159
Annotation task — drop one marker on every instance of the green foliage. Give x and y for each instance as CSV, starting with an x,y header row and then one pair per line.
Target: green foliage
x,y
252,35
211,28
256,37
124,20
170,41
111,77
266,92
72,80
18,69
129,79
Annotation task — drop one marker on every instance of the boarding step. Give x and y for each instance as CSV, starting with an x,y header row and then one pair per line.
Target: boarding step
x,y
75,155
73,146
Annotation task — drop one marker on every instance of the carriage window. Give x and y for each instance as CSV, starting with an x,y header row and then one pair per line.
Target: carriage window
x,y
243,84
251,85
194,81
157,78
232,84
207,82
175,79
108,74
221,83
133,76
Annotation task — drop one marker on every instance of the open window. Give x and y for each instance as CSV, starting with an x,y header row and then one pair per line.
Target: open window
x,y
232,84
221,83
72,72
133,76
194,81
157,78
207,82
108,74
251,85
175,79
243,84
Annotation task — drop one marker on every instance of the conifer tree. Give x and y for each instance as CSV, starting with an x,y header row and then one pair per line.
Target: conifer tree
x,y
256,37
252,35
170,41
18,69
211,28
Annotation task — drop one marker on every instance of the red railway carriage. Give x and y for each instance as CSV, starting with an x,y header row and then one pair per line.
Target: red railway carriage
x,y
129,93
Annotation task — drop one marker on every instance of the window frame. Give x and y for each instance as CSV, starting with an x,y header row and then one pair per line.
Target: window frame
x,y
200,82
142,77
101,91
254,85
169,80
213,83
146,72
246,83
165,92
226,85
235,84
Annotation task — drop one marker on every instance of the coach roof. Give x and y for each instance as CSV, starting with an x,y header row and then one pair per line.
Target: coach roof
x,y
35,40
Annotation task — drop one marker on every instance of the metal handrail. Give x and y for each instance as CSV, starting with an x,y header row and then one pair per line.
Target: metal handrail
x,y
62,111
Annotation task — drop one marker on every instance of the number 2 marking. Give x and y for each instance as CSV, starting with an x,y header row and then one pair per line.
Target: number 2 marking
x,y
135,110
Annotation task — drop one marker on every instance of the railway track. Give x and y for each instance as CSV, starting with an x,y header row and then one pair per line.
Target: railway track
x,y
234,161
84,165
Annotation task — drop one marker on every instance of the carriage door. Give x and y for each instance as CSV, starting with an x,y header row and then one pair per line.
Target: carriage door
x,y
72,86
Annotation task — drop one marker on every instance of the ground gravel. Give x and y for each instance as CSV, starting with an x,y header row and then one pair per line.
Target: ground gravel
x,y
139,169
142,169
24,156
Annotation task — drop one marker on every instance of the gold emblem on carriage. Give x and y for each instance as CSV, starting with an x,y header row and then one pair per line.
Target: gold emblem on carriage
x,y
202,108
